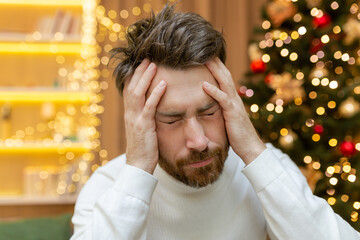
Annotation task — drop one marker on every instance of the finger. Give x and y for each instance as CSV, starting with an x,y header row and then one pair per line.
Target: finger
x,y
145,81
221,97
223,68
154,99
139,71
126,86
217,68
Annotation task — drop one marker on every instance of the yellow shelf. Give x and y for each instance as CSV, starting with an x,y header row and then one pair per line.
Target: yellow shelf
x,y
38,96
41,148
40,48
70,3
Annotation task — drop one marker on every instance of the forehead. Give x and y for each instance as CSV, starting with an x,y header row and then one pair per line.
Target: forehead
x,y
184,87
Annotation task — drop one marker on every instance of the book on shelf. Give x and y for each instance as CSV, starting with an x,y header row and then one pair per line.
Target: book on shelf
x,y
64,22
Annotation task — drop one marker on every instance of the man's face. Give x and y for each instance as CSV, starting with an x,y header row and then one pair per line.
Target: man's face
x,y
190,127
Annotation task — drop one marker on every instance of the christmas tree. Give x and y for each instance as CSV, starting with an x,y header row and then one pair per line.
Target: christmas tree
x,y
303,92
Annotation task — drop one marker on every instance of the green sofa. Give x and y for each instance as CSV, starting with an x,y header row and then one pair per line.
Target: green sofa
x,y
45,228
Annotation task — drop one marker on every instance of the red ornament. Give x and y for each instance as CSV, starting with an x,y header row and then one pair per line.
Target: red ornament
x,y
347,148
316,45
318,129
258,66
242,90
269,78
322,21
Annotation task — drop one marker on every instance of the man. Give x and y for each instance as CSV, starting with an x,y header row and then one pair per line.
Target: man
x,y
179,178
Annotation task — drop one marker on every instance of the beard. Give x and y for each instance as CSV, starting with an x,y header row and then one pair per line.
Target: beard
x,y
201,176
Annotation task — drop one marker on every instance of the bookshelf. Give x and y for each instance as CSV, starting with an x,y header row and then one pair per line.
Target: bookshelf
x,y
49,101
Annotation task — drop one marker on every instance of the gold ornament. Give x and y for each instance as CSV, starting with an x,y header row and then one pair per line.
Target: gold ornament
x,y
349,107
254,52
313,3
287,88
319,73
287,141
312,175
352,30
280,10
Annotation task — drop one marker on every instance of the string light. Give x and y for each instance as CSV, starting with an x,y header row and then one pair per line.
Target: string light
x,y
302,30
336,29
316,165
331,104
315,82
307,159
334,5
325,39
333,84
331,200
333,181
266,58
297,17
320,111
325,82
345,57
284,52
266,24
316,137
295,35
314,58
254,108
356,205
293,56
344,198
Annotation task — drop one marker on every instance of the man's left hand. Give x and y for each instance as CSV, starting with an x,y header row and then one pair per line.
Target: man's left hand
x,y
242,135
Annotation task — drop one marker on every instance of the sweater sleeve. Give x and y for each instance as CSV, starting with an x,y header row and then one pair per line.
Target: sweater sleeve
x,y
291,210
114,206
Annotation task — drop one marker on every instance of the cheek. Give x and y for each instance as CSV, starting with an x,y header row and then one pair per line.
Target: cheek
x,y
169,140
215,129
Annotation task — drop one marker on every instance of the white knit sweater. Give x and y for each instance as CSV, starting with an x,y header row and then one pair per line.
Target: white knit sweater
x,y
268,196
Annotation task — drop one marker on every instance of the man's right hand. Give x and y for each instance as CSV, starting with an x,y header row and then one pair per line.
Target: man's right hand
x,y
142,145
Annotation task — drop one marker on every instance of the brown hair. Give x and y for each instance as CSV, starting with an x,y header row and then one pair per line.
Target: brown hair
x,y
171,39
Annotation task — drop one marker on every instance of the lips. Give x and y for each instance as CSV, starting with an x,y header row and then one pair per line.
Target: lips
x,y
201,163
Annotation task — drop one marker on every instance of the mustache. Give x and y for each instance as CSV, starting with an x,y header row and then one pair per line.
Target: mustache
x,y
196,156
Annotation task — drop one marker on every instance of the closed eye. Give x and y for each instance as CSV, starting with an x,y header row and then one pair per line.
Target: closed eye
x,y
208,114
169,122
172,122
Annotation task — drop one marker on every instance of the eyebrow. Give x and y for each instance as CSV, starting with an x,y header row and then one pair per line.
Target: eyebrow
x,y
181,114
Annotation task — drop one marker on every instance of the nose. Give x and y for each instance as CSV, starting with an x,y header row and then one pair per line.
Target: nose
x,y
195,135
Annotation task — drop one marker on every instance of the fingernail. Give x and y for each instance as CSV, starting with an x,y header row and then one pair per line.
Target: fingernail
x,y
151,66
206,84
162,83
